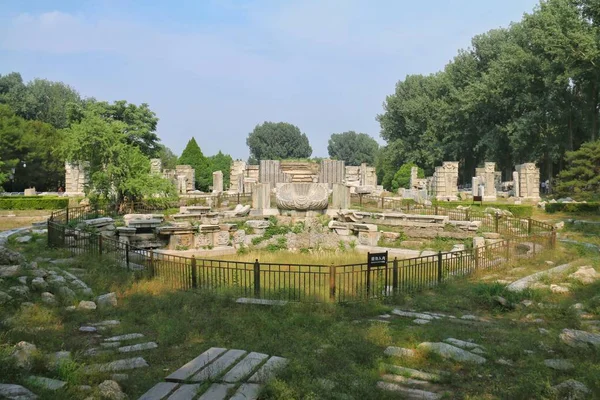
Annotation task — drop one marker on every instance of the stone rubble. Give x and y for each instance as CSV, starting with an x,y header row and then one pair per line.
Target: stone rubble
x,y
16,392
111,390
559,364
577,338
452,352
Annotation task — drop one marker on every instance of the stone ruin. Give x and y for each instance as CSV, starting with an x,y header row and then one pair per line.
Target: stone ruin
x,y
76,178
444,184
183,176
526,182
484,182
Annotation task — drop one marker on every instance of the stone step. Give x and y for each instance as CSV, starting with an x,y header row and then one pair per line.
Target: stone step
x,y
185,392
247,391
408,393
220,365
159,391
195,365
46,383
216,391
268,370
118,365
412,383
413,373
138,347
245,367
129,336
263,302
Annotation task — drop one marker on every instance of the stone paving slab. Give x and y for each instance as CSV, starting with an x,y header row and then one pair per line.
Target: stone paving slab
x,y
217,391
138,347
263,302
219,366
185,392
129,336
245,367
118,365
195,365
159,391
408,393
268,370
247,391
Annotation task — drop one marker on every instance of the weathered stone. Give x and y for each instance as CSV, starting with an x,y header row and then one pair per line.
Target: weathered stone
x,y
268,370
46,383
219,366
110,345
244,367
420,321
107,323
408,393
264,302
502,361
48,298
4,297
585,275
15,392
247,391
576,338
111,390
65,294
56,280
70,308
571,390
23,239
559,289
118,365
195,365
39,273
23,354
19,290
107,300
54,360
414,373
502,301
400,352
88,329
119,377
128,336
462,344
448,351
185,392
10,271
526,282
86,305
411,314
258,224
559,364
22,280
159,391
10,257
138,347
216,391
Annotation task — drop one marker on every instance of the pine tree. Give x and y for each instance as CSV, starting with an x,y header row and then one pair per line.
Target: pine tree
x,y
192,155
581,178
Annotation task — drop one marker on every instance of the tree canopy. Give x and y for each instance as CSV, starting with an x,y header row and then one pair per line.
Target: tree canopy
x,y
581,178
221,162
277,141
402,176
353,148
192,155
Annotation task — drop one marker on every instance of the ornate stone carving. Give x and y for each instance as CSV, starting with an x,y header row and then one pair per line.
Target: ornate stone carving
x,y
302,196
222,238
239,236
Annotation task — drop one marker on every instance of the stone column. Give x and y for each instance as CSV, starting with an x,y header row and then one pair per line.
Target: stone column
x,y
340,198
414,175
490,181
155,166
261,196
217,182
236,176
446,181
332,171
516,190
475,186
529,181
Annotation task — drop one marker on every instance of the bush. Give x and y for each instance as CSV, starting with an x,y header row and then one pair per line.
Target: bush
x,y
33,203
573,207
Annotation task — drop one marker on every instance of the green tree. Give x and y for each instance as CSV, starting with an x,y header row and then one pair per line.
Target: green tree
x,y
47,101
402,177
192,155
353,148
118,171
221,162
278,141
167,157
581,178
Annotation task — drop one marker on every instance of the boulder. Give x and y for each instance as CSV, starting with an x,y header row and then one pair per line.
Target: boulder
x,y
559,364
23,239
4,297
65,294
48,298
19,290
585,275
111,390
107,300
22,280
86,305
10,271
15,392
23,354
572,390
10,257
54,360
576,338
258,224
39,284
452,352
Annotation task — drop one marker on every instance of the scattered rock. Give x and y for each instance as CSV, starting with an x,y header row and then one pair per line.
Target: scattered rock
x,y
58,358
138,347
48,298
549,262
408,393
66,294
55,281
129,336
469,317
107,323
503,302
576,338
9,271
544,331
23,354
16,392
22,280
448,351
88,329
478,350
110,345
23,239
86,305
400,352
559,289
19,290
70,308
559,364
462,344
46,383
111,390
420,321
585,275
39,284
502,361
10,257
118,365
107,300
4,297
572,390
411,314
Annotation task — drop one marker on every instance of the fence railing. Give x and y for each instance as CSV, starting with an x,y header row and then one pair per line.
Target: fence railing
x,y
289,281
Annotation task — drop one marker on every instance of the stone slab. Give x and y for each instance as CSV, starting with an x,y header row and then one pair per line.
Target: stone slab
x,y
400,352
448,351
268,370
245,367
185,392
10,391
247,391
159,391
524,283
216,391
138,347
263,302
46,383
118,365
414,373
218,366
408,393
196,364
129,336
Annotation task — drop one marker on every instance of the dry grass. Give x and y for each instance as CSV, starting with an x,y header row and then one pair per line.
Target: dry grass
x,y
11,219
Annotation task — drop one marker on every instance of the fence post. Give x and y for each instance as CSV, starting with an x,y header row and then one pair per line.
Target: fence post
x,y
238,196
194,273
467,215
256,279
436,209
476,255
151,266
100,245
332,274
67,218
553,238
368,280
529,226
440,267
395,276
496,219
382,203
507,250
127,255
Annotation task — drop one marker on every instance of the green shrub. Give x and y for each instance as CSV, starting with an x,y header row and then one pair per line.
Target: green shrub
x,y
517,210
573,207
33,203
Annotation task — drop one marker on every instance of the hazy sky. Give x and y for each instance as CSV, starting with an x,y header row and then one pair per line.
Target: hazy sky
x,y
215,69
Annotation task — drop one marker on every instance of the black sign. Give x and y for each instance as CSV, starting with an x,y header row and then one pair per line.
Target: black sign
x,y
477,198
375,259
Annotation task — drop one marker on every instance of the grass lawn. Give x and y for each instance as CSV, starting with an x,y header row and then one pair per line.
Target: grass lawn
x,y
335,352
11,219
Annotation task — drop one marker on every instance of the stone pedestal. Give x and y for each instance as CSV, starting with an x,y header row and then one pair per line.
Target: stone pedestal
x,y
217,182
445,181
75,178
529,181
487,177
261,196
340,198
30,192
475,186
516,183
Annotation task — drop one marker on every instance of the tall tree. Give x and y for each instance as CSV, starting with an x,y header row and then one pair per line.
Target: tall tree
x,y
581,178
221,162
192,155
277,141
353,148
167,157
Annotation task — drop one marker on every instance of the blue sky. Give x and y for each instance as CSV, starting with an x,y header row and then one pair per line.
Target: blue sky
x,y
215,69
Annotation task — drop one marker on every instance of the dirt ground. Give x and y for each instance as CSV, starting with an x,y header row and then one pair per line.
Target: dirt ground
x,y
10,219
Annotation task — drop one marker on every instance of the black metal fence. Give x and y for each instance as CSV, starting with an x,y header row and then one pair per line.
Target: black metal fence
x,y
289,281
